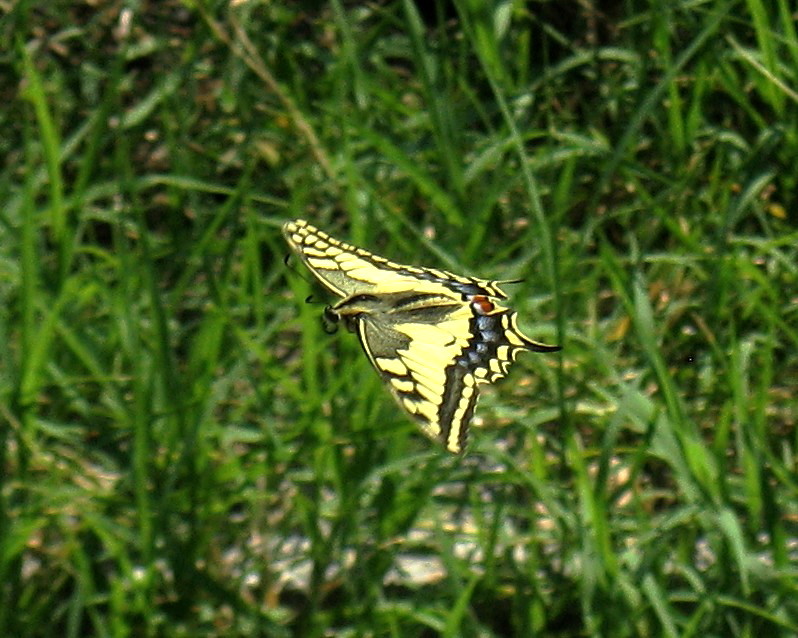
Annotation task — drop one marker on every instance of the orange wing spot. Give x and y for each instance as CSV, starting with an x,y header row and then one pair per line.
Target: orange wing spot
x,y
482,305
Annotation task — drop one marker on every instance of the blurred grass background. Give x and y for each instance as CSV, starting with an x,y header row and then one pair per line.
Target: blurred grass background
x,y
186,453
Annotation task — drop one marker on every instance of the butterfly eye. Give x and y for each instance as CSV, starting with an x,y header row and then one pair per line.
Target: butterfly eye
x,y
329,320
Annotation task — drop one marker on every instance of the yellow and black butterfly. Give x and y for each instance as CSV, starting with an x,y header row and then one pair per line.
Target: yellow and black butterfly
x,y
434,337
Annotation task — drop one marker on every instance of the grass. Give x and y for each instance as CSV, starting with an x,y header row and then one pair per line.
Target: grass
x,y
186,453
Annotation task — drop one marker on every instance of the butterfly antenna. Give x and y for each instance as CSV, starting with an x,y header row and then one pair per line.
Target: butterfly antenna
x,y
290,265
312,300
329,325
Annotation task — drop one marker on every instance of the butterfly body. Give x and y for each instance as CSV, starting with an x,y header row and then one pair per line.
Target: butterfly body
x,y
433,336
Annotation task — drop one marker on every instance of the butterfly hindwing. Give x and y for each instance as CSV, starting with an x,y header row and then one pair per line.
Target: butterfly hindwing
x,y
433,337
417,355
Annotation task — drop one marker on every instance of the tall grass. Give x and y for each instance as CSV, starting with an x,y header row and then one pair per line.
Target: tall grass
x,y
184,451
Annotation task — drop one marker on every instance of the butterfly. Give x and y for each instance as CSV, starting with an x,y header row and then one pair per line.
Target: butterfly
x,y
433,337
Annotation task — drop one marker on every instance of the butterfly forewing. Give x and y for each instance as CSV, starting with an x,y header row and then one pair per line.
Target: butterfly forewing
x,y
347,269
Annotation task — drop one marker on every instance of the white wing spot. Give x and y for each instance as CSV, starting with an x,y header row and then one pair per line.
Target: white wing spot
x,y
394,366
429,376
403,385
453,441
512,337
410,405
322,264
495,366
310,251
428,410
428,394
